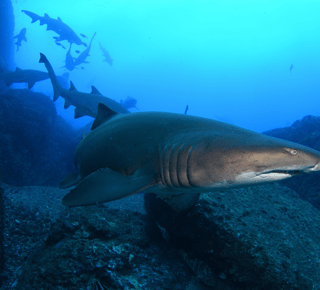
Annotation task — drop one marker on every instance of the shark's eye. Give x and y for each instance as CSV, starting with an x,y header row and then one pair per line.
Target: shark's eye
x,y
293,152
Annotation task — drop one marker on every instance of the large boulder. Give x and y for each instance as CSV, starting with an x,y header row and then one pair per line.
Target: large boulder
x,y
263,237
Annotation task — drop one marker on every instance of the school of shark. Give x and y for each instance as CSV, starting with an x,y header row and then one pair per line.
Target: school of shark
x,y
176,156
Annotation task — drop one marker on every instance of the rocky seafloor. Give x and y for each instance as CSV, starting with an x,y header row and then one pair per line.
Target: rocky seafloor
x,y
262,237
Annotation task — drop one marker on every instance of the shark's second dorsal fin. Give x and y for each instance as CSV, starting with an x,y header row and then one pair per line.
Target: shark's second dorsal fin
x,y
72,87
94,91
103,115
18,69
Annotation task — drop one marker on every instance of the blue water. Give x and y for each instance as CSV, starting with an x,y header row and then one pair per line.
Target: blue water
x,y
226,60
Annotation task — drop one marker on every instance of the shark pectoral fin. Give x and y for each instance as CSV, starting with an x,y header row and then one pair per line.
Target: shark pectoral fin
x,y
31,84
106,185
181,203
71,179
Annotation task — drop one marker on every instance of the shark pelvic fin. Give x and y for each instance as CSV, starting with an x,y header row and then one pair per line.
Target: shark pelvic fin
x,y
31,84
106,185
182,203
103,115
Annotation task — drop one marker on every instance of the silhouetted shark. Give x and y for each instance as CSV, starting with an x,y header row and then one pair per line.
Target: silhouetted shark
x,y
29,76
129,102
86,104
69,60
56,25
106,54
82,57
21,36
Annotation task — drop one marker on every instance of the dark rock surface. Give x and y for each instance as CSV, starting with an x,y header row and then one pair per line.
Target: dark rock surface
x,y
306,132
262,237
37,146
48,246
6,33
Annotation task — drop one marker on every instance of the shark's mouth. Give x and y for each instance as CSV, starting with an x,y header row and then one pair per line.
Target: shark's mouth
x,y
284,171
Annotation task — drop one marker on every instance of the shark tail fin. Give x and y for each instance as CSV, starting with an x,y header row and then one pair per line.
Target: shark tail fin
x,y
57,88
33,16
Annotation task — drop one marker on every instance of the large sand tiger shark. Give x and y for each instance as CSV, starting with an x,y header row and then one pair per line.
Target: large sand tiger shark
x,y
177,157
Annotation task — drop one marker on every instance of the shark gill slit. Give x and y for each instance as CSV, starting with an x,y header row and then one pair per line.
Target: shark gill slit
x,y
183,166
166,168
173,165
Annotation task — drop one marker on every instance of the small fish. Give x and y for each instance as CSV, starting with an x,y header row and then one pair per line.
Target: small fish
x,y
186,110
291,67
77,51
59,44
83,35
82,67
63,46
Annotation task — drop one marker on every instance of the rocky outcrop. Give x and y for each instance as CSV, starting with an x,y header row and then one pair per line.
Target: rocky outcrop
x,y
262,237
6,34
37,146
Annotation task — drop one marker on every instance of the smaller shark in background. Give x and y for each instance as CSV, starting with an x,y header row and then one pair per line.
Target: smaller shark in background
x,y
21,36
69,60
291,67
29,76
129,103
56,25
106,54
82,57
86,104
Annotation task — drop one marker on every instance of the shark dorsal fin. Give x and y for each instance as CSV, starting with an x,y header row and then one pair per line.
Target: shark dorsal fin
x,y
72,87
46,15
103,115
95,91
59,19
18,69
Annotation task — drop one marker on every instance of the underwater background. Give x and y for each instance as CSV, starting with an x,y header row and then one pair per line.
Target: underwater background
x,y
226,60
254,64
